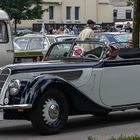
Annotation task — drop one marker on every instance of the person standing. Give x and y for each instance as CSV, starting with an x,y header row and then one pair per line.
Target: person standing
x,y
87,33
75,30
66,30
128,28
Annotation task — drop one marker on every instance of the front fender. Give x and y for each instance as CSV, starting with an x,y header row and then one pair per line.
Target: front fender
x,y
39,86
76,99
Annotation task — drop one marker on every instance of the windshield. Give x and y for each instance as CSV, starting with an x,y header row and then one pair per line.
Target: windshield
x,y
59,51
123,37
16,47
51,39
22,43
76,49
111,38
36,44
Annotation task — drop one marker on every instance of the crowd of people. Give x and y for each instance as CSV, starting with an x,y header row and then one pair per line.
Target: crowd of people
x,y
63,30
89,32
113,52
75,30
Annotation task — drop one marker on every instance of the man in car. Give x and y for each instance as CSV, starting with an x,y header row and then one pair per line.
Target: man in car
x,y
113,53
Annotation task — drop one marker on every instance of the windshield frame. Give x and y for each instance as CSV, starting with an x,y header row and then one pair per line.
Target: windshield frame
x,y
72,43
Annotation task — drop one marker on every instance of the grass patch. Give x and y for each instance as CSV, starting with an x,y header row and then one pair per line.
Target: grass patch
x,y
136,137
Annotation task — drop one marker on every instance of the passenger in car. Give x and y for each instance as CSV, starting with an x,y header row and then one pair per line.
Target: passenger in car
x,y
129,44
113,53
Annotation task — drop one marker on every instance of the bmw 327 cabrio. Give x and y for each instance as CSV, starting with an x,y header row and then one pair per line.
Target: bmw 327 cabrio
x,y
71,80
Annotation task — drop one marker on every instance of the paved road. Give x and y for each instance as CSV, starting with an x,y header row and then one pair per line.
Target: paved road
x,y
78,128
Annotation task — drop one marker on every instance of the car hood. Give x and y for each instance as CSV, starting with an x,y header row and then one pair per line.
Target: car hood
x,y
50,66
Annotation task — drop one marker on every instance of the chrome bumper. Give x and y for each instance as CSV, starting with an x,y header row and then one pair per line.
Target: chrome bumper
x,y
22,106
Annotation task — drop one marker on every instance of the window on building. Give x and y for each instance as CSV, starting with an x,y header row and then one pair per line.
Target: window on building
x,y
77,11
115,14
128,14
51,12
68,12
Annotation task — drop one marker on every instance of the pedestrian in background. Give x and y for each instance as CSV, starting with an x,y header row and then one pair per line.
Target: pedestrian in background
x,y
75,30
128,28
88,31
66,30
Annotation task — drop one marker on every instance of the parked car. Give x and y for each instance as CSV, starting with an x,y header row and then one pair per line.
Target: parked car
x,y
69,82
34,46
23,31
114,37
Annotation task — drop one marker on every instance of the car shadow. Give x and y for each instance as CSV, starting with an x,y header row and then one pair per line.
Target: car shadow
x,y
75,124
88,122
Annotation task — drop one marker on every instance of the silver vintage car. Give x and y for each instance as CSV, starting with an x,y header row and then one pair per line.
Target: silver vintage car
x,y
70,81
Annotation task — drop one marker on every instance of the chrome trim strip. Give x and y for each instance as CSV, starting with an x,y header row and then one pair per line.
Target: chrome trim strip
x,y
4,88
22,106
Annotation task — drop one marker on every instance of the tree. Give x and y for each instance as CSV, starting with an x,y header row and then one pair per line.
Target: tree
x,y
136,23
22,9
130,2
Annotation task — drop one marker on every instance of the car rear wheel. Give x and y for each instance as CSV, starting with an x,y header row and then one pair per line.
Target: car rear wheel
x,y
51,113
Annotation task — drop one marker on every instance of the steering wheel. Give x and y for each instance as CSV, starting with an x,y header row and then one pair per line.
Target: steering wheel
x,y
90,56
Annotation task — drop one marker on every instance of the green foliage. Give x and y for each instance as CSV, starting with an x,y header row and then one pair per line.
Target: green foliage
x,y
92,138
126,138
119,138
22,9
130,2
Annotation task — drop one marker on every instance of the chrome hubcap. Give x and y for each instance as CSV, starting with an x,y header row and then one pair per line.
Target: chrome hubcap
x,y
50,111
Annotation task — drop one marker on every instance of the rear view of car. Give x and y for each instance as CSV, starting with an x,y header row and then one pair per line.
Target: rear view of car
x,y
35,46
32,48
114,37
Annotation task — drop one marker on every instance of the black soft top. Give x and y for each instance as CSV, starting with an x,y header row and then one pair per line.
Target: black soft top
x,y
129,53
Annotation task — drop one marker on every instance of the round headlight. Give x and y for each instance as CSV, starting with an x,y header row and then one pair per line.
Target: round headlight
x,y
14,87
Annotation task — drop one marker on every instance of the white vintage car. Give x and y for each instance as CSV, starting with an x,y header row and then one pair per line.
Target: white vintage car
x,y
71,81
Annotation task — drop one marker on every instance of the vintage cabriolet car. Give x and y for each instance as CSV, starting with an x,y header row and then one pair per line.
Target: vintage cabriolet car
x,y
69,81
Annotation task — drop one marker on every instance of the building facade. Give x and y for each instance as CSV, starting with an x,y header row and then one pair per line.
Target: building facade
x,y
121,11
124,13
119,2
74,12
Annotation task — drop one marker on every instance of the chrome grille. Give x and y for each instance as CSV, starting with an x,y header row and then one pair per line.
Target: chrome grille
x,y
3,76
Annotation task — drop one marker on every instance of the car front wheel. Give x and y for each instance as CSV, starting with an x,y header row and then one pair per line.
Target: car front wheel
x,y
51,113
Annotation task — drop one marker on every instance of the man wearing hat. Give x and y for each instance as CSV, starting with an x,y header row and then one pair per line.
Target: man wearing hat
x,y
87,33
113,53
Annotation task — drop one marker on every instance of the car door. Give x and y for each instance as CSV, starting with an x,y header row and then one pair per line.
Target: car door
x,y
120,83
6,45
